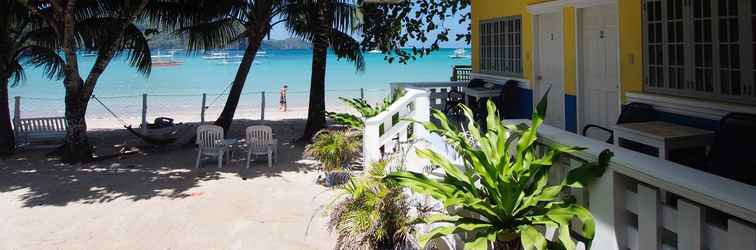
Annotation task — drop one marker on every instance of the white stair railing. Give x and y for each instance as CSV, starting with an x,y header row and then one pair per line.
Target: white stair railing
x,y
385,132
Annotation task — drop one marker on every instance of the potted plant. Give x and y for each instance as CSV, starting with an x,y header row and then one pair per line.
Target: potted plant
x,y
335,150
372,213
504,190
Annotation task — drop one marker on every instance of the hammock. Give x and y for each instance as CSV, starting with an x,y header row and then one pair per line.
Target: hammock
x,y
170,137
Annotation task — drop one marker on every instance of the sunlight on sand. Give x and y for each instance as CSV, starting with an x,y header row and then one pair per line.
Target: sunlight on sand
x,y
158,200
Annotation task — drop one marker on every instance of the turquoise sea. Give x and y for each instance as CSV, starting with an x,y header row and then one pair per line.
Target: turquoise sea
x,y
179,89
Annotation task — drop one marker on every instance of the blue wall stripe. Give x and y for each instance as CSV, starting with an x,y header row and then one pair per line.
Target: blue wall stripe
x,y
570,113
525,104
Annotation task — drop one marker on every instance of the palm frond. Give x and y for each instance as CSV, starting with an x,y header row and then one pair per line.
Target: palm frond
x,y
210,35
345,46
137,48
40,57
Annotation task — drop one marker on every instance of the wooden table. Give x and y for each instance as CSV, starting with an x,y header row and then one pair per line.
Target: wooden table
x,y
481,95
663,136
483,92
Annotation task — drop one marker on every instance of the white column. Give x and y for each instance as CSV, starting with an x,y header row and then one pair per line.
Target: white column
x,y
370,142
691,220
422,114
648,218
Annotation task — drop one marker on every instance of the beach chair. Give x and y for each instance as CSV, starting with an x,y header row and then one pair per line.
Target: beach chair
x,y
210,143
260,142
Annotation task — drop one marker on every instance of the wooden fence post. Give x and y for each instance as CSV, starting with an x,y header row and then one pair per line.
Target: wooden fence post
x,y
262,107
16,114
144,113
204,107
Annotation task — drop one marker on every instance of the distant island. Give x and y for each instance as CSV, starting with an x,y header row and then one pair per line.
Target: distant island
x,y
168,41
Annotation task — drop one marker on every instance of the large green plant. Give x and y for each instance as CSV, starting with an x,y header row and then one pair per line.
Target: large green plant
x,y
365,110
334,148
372,213
504,190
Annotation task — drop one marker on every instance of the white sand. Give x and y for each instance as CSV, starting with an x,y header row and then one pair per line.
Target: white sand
x,y
157,200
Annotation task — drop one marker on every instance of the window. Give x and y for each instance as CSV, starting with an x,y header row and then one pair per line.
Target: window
x,y
501,46
697,48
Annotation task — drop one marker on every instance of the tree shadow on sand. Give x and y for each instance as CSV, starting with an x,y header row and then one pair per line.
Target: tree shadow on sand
x,y
150,173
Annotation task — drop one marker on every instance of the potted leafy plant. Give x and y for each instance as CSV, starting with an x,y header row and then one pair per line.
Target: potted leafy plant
x,y
335,150
504,190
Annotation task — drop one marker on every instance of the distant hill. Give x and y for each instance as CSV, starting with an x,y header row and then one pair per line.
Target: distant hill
x,y
289,43
168,41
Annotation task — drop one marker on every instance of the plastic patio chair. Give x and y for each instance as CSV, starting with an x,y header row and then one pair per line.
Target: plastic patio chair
x,y
632,112
260,142
210,143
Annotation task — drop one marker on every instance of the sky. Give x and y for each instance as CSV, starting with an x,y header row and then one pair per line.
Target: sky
x,y
279,32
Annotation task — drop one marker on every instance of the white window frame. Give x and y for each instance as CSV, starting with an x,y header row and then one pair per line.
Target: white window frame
x,y
746,43
501,53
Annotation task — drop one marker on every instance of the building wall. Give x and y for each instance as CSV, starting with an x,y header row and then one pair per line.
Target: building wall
x,y
630,54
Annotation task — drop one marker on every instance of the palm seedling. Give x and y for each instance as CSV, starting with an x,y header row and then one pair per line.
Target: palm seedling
x,y
334,149
372,213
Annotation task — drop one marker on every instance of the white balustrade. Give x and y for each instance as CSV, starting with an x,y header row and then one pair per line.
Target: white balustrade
x,y
386,132
642,202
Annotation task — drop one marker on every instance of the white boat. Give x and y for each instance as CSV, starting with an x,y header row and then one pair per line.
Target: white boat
x,y
262,53
375,51
227,62
217,56
459,54
165,60
90,54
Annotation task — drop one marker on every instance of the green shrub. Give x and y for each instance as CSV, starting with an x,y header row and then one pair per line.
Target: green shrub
x,y
505,194
365,110
334,149
372,213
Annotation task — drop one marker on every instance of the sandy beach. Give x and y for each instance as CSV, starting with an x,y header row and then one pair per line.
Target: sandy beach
x,y
156,199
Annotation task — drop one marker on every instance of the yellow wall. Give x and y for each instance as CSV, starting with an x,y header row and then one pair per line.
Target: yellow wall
x,y
631,46
630,36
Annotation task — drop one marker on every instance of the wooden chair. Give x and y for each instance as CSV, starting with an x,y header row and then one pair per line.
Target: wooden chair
x,y
210,143
260,142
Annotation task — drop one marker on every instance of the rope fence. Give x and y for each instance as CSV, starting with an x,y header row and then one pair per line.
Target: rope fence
x,y
135,110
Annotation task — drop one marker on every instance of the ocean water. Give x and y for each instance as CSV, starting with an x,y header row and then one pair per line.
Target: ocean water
x,y
179,89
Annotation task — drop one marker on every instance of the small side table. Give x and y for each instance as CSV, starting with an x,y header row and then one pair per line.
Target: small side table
x,y
663,136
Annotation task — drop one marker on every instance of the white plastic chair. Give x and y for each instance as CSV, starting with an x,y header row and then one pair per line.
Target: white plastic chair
x,y
210,143
260,142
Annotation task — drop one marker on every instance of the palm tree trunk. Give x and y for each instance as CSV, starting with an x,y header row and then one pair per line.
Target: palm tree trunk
x,y
316,117
7,139
227,116
76,148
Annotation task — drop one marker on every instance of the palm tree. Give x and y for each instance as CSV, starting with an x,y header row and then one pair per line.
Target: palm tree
x,y
18,48
105,26
326,23
220,23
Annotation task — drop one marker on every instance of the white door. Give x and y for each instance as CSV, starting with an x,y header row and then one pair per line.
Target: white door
x,y
599,85
548,72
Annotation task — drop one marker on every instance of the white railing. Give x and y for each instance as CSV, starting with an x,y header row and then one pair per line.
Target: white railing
x,y
642,202
386,131
438,91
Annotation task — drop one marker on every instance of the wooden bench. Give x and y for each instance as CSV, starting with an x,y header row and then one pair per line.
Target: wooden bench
x,y
46,129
